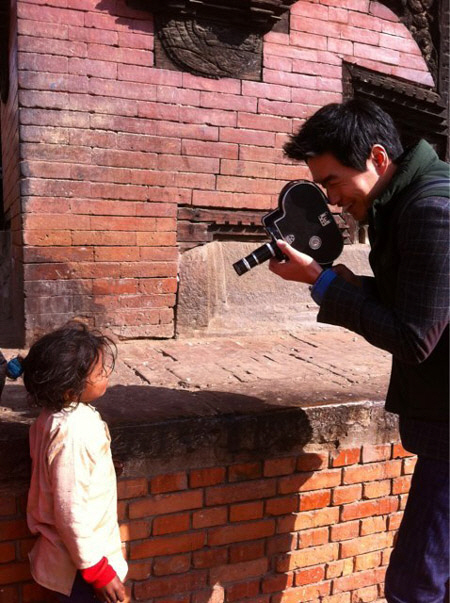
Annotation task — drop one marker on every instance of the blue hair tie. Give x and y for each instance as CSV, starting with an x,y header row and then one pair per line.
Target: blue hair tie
x,y
14,368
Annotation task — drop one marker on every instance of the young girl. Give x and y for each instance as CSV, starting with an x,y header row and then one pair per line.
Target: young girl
x,y
72,502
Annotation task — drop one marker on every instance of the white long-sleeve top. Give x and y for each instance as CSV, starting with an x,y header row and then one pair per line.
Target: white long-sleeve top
x,y
72,501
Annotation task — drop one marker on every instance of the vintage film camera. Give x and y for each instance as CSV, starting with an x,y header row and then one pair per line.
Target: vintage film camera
x,y
304,221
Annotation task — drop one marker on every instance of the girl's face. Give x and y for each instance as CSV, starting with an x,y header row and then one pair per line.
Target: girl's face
x,y
97,381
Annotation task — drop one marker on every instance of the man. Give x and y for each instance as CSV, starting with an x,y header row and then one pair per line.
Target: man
x,y
353,150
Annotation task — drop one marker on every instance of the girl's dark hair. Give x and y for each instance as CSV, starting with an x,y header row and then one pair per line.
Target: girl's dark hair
x,y
348,131
61,361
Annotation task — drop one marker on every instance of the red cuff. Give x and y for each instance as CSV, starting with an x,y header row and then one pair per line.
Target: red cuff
x,y
100,574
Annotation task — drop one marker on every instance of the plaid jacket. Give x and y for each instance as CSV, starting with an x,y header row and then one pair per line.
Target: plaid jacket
x,y
404,308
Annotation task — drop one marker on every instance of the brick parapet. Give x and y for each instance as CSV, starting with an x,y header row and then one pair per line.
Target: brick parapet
x,y
246,519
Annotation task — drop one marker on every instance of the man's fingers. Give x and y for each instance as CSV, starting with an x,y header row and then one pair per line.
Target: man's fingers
x,y
285,248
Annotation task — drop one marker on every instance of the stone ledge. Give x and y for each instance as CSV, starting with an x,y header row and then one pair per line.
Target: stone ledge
x,y
179,403
213,300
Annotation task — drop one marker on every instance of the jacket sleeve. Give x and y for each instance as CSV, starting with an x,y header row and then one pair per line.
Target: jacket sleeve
x,y
70,464
412,326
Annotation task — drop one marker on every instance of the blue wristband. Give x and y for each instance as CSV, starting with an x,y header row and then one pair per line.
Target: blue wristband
x,y
14,368
319,288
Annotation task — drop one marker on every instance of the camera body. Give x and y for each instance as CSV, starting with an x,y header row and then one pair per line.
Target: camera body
x,y
303,220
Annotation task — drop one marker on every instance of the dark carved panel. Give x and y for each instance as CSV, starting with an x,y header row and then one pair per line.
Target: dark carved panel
x,y
213,38
209,48
418,111
197,226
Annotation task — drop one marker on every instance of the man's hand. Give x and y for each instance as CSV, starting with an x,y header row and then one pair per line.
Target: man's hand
x,y
111,593
299,267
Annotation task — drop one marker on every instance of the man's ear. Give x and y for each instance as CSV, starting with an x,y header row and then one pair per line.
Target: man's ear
x,y
380,158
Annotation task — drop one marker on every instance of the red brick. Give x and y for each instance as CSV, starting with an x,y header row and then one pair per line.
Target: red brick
x,y
371,525
246,511
394,521
238,533
9,594
371,472
239,492
7,505
168,483
111,287
246,551
345,457
304,482
166,503
12,529
272,583
340,598
134,530
310,575
358,580
409,465
11,573
314,500
367,561
303,593
307,520
238,571
131,488
306,557
177,564
314,537
210,557
121,510
344,531
283,466
369,508
377,489
160,587
244,471
7,552
138,571
50,14
167,545
205,518
281,505
168,524
33,593
346,494
243,590
365,544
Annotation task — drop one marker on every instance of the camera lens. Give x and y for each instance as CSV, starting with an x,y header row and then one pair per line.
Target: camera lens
x,y
258,256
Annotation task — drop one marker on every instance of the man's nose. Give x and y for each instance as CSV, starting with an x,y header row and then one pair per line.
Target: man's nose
x,y
333,198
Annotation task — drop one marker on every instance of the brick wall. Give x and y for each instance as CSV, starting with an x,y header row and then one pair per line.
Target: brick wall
x,y
110,146
315,526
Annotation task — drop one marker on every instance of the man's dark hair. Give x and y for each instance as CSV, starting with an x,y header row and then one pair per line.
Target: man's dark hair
x,y
61,361
348,131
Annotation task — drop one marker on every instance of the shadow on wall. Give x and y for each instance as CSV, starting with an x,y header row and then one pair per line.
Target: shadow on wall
x,y
55,293
142,17
159,432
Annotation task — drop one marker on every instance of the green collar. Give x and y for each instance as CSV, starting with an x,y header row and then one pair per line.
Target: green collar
x,y
415,164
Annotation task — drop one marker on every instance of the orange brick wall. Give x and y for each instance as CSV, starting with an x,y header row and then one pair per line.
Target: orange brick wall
x,y
311,527
110,145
